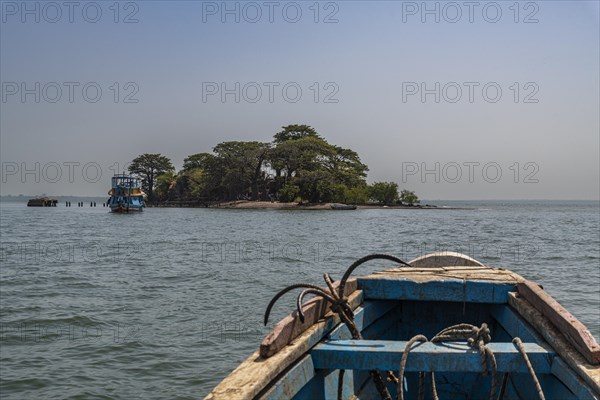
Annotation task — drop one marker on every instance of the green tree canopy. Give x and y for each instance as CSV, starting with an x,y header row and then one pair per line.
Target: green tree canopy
x,y
298,163
165,185
384,192
293,132
148,167
200,160
291,157
321,171
409,197
242,165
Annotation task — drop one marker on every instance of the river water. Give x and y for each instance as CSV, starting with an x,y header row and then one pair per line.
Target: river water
x,y
165,303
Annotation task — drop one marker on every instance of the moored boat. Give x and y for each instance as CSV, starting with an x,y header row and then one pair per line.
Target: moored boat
x,y
126,194
42,202
338,206
442,326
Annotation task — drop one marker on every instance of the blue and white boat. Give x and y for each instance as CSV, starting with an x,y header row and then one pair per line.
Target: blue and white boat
x,y
126,194
443,326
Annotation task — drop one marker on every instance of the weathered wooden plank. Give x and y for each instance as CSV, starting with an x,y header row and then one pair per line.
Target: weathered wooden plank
x,y
588,372
440,357
291,327
571,380
384,288
425,274
575,332
256,373
292,381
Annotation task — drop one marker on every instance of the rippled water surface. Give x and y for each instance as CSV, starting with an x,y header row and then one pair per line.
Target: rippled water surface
x,y
165,303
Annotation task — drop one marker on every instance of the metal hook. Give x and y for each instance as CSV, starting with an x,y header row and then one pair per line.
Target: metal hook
x,y
319,292
284,291
363,260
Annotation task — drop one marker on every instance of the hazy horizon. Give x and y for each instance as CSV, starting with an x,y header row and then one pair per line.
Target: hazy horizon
x,y
23,198
490,101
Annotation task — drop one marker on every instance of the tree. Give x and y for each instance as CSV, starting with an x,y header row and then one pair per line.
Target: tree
x,y
148,167
242,164
201,160
384,192
298,162
292,157
356,195
288,193
204,172
322,171
165,185
409,197
346,167
196,184
293,132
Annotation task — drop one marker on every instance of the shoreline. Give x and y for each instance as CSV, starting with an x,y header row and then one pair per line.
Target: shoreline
x,y
267,205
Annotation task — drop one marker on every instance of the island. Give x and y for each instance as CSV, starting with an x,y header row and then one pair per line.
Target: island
x,y
299,169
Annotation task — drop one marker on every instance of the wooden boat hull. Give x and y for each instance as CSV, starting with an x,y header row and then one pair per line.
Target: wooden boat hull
x,y
343,207
125,209
303,360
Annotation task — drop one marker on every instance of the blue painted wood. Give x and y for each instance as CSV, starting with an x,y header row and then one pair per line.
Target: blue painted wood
x,y
331,385
385,328
521,387
312,390
514,324
383,288
430,317
363,317
292,381
447,356
571,380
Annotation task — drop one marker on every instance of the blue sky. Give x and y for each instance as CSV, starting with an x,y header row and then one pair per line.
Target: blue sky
x,y
369,60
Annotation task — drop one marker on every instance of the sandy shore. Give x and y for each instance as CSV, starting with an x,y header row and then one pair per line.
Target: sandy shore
x,y
245,204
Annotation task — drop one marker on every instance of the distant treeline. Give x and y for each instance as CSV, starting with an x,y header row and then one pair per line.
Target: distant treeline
x,y
298,165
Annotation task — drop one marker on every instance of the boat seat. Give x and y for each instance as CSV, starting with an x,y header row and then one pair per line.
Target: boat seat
x,y
441,357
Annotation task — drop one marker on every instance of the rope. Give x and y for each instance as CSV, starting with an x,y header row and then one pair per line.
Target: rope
x,y
400,384
434,394
538,387
503,386
341,307
421,385
341,384
477,338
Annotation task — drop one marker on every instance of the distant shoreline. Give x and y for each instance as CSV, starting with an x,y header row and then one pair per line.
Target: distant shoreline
x,y
237,205
267,205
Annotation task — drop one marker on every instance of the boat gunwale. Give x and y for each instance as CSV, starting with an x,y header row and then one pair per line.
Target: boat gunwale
x,y
255,373
300,347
